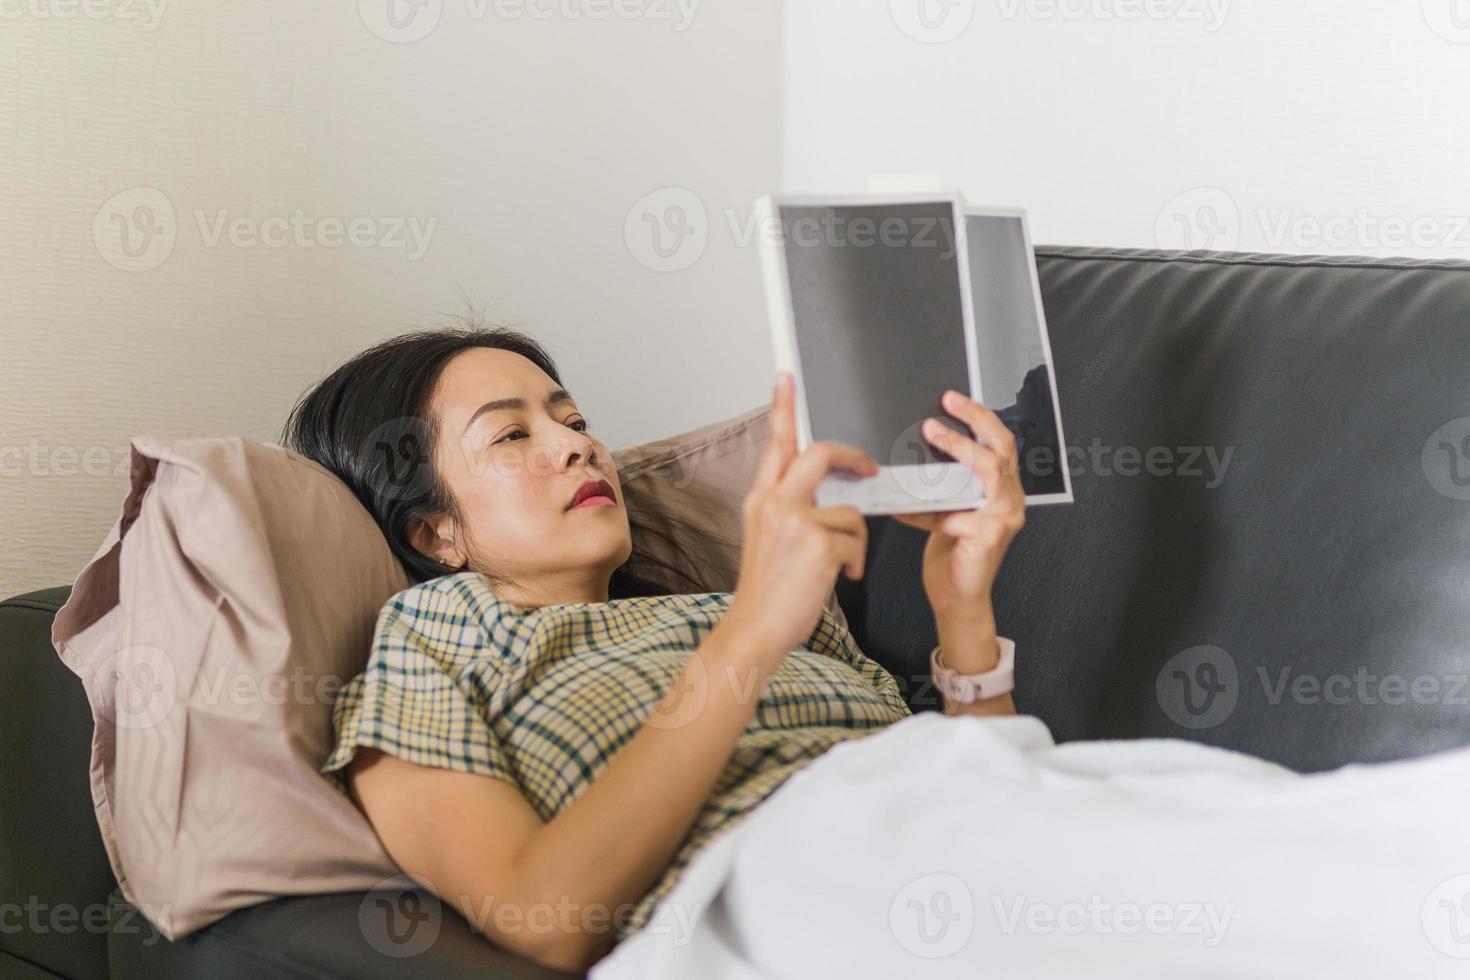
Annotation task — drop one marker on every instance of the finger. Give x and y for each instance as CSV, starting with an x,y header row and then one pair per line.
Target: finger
x,y
813,463
983,423
926,521
852,553
849,533
845,518
1003,516
780,434
982,460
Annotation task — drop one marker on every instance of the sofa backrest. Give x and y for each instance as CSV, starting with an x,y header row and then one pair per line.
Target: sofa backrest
x,y
1270,545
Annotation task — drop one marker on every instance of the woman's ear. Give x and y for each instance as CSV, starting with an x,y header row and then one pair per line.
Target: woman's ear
x,y
435,538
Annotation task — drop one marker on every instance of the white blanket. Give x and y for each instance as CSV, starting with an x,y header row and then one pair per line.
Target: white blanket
x,y
969,847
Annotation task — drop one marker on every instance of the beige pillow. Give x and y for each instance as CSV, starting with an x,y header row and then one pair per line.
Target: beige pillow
x,y
236,593
700,477
213,643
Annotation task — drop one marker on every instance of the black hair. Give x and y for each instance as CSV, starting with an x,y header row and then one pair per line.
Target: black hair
x,y
369,422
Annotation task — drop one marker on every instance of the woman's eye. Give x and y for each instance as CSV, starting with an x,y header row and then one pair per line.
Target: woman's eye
x,y
517,432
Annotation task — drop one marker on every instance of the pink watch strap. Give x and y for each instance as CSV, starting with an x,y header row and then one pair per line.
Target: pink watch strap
x,y
969,688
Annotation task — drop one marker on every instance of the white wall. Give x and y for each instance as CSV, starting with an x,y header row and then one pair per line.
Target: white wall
x,y
517,144
1308,126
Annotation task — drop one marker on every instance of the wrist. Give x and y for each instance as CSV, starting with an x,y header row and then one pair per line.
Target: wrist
x,y
962,691
969,645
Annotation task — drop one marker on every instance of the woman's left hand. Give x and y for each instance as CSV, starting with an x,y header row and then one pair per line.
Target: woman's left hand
x,y
966,547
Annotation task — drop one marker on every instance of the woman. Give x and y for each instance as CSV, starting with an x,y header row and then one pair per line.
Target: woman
x,y
538,735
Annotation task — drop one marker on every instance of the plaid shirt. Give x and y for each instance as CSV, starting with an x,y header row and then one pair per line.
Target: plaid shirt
x,y
460,679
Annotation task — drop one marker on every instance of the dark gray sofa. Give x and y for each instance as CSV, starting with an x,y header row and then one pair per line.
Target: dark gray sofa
x,y
1303,595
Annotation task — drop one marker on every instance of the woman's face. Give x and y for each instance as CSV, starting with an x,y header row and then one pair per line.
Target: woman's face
x,y
513,449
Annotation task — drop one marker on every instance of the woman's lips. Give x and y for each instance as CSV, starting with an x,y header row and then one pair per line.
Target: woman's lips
x,y
598,492
596,501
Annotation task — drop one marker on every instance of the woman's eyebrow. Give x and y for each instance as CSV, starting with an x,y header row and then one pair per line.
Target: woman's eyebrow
x,y
555,398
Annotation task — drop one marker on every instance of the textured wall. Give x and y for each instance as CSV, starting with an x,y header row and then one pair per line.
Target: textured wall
x,y
183,183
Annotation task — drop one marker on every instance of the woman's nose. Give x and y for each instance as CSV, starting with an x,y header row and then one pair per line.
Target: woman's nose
x,y
573,447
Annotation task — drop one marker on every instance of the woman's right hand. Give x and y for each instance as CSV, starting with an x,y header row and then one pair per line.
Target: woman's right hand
x,y
791,549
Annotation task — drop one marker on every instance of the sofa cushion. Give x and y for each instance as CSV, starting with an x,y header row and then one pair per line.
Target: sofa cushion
x,y
54,876
395,931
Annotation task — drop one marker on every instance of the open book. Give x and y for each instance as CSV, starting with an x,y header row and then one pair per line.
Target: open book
x,y
880,303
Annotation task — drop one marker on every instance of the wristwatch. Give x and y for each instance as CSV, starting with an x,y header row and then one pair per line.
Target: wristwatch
x,y
969,688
